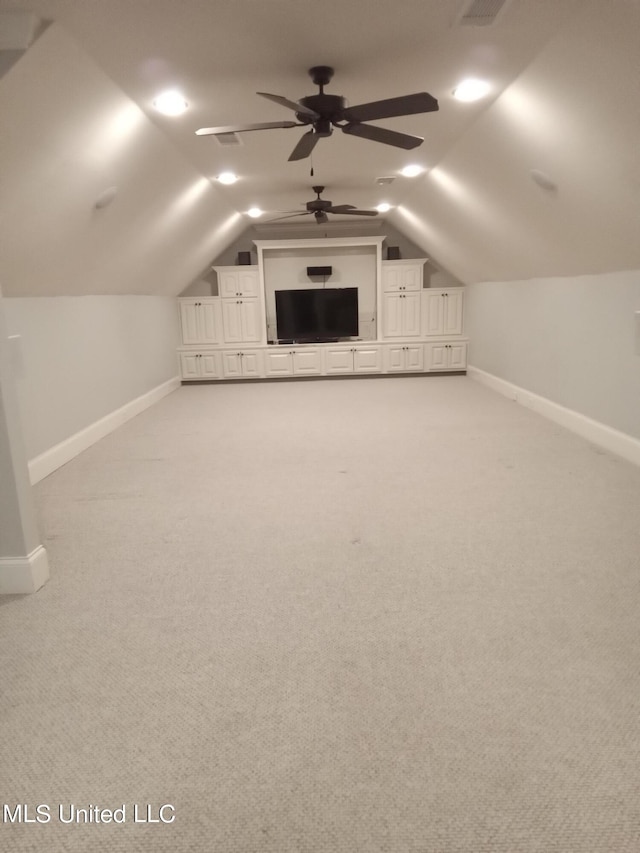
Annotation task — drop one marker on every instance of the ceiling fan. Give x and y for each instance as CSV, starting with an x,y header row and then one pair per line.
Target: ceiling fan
x,y
319,208
324,112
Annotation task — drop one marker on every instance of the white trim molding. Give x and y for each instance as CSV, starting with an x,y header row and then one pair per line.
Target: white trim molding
x,y
597,433
44,464
19,575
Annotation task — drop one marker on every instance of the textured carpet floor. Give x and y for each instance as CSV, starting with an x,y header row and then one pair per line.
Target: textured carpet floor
x,y
397,614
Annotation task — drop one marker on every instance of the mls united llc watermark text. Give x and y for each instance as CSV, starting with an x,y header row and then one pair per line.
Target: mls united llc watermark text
x,y
71,813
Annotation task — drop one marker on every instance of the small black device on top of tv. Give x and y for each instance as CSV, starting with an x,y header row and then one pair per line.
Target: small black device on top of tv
x,y
314,315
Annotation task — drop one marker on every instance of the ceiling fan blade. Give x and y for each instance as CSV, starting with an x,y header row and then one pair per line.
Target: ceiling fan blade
x,y
341,208
290,105
355,212
241,128
305,145
405,105
291,215
381,134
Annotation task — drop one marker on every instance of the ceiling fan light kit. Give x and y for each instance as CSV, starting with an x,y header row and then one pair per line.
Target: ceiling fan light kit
x,y
323,113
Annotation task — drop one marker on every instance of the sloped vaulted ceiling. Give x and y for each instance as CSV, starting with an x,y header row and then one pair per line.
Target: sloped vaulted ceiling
x,y
71,136
564,105
547,181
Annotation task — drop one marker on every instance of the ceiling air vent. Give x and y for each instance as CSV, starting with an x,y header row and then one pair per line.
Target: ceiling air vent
x,y
226,139
480,13
387,179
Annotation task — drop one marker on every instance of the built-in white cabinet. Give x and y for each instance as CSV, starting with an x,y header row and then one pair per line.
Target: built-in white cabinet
x,y
416,329
284,361
200,365
401,315
404,358
401,304
241,307
442,311
346,359
241,321
238,281
200,320
242,364
402,275
446,356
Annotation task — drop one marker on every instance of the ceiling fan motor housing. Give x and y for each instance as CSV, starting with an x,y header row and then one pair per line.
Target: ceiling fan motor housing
x,y
330,108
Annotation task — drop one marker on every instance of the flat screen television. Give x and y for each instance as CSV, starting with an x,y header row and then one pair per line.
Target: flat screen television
x,y
317,314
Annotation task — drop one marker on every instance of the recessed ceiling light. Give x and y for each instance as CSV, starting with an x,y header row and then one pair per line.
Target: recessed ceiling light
x,y
383,208
412,171
227,178
170,103
254,212
471,90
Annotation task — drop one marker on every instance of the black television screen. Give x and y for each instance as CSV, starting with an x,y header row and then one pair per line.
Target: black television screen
x,y
317,314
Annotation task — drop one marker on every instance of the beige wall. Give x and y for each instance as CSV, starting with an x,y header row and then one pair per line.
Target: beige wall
x,y
571,340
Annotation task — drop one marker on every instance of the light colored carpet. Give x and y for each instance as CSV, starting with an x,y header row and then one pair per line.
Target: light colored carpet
x,y
397,614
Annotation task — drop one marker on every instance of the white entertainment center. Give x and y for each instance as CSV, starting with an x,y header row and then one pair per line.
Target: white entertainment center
x,y
403,326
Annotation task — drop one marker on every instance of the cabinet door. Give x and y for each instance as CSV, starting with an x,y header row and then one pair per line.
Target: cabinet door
x,y
228,283
401,277
391,279
394,359
367,360
189,322
414,357
232,321
458,356
209,368
240,321
207,322
453,302
410,313
189,365
231,365
238,282
405,358
433,314
437,356
278,362
248,282
306,362
392,305
339,360
411,277
251,363
198,322
249,320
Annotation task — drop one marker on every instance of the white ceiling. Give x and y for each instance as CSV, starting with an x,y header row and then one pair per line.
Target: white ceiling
x,y
565,102
221,53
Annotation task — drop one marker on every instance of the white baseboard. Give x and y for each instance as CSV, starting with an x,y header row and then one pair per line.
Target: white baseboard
x,y
24,574
597,433
44,464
